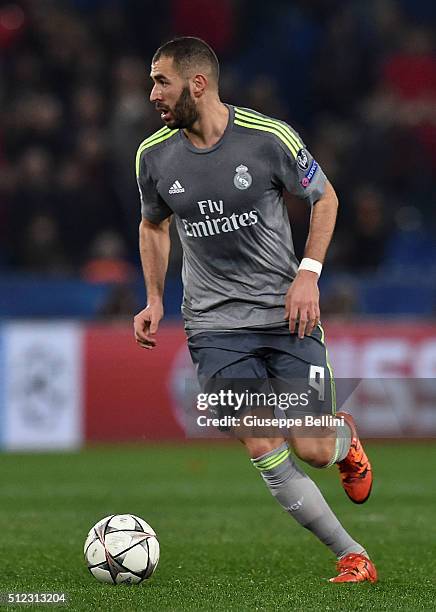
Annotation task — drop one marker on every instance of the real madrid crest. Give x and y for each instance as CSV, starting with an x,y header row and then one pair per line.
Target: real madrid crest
x,y
242,178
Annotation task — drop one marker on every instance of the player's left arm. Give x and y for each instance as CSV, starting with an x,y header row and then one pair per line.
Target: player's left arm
x,y
302,298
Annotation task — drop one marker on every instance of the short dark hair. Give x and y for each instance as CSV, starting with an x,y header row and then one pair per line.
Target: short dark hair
x,y
189,51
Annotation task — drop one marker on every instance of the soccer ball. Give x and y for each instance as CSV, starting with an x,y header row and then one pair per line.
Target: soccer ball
x,y
121,548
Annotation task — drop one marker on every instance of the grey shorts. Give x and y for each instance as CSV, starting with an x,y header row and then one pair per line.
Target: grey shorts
x,y
273,362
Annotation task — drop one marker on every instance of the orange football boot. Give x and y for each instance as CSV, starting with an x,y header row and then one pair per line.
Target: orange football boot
x,y
355,470
355,568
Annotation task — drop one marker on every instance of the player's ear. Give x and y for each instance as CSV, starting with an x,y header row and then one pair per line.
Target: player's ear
x,y
199,84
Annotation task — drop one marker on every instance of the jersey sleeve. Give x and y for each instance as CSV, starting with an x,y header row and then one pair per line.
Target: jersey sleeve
x,y
298,172
153,208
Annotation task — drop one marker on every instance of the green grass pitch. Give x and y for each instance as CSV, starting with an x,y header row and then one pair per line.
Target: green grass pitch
x,y
225,543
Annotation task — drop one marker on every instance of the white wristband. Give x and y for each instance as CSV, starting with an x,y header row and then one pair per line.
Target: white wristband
x,y
310,264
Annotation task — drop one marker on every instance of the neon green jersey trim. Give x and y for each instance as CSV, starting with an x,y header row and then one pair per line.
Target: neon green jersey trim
x,y
332,379
269,120
271,130
295,143
154,139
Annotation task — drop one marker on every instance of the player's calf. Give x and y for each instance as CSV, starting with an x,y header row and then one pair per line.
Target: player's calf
x,y
315,446
316,455
341,445
301,498
257,447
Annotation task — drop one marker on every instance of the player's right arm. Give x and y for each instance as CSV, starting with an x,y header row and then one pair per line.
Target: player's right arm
x,y
154,247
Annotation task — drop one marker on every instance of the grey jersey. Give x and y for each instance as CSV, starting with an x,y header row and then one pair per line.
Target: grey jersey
x,y
227,201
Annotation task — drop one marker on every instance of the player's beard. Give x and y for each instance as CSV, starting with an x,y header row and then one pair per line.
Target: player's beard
x,y
184,113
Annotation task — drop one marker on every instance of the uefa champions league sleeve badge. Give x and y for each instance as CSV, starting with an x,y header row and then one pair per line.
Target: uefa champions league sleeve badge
x,y
242,178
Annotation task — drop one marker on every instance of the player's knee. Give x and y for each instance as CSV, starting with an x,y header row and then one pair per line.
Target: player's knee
x,y
257,447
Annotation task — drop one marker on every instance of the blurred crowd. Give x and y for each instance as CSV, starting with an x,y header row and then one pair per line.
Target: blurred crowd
x,y
356,79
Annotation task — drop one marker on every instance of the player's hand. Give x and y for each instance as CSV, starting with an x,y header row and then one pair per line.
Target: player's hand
x,y
146,323
302,303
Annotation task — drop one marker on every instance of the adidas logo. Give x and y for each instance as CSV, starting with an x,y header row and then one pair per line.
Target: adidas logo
x,y
176,187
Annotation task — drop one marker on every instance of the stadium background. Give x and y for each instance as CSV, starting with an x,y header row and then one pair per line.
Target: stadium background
x,y
358,81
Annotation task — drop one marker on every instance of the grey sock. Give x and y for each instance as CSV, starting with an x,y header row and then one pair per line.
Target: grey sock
x,y
342,445
300,496
343,441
